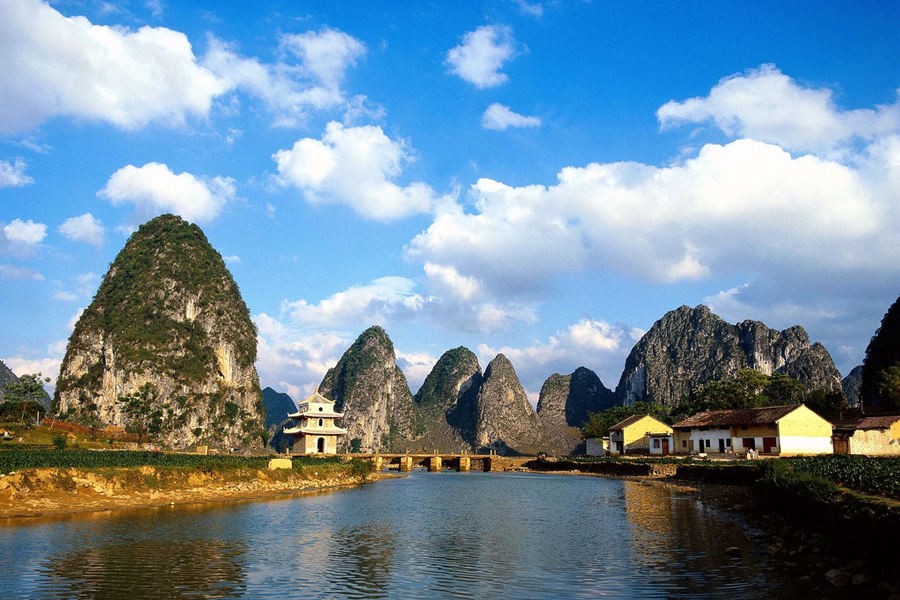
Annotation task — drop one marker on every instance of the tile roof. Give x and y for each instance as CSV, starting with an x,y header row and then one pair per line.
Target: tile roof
x,y
739,416
864,422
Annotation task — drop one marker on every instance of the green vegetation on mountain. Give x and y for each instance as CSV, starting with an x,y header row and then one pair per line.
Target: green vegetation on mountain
x,y
166,347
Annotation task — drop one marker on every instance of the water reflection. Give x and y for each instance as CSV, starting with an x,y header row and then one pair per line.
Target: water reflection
x,y
442,535
150,569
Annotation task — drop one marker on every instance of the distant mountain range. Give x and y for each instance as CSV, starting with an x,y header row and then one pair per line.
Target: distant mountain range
x,y
461,408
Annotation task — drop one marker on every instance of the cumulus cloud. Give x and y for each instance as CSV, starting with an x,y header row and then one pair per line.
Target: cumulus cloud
x,y
13,174
731,208
21,238
500,117
154,189
292,358
85,228
480,56
377,302
592,343
355,166
290,90
59,66
19,273
415,366
765,104
46,366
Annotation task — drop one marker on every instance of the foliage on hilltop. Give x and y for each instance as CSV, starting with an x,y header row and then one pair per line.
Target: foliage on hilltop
x,y
139,304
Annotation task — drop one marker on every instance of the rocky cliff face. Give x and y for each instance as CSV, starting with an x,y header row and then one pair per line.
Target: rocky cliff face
x,y
445,404
278,406
6,377
564,405
688,347
371,390
852,385
504,419
168,327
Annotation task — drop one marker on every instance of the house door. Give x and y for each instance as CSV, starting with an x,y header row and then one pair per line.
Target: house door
x,y
321,446
749,443
841,446
721,446
768,445
665,447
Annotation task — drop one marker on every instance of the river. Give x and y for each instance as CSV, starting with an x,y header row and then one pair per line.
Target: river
x,y
429,535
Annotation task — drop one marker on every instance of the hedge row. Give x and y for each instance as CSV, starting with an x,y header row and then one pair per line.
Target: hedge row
x,y
17,459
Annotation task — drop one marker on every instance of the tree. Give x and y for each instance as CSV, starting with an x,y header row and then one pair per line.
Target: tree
x,y
888,385
142,413
598,424
747,389
29,391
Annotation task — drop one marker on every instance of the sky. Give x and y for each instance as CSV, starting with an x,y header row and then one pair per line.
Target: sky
x,y
544,179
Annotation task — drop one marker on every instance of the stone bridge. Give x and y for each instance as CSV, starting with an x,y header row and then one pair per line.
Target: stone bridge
x,y
433,462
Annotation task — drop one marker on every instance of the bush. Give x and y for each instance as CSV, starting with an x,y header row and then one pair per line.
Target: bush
x,y
59,441
361,468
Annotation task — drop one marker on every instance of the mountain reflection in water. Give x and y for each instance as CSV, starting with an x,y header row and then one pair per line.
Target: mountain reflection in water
x,y
430,535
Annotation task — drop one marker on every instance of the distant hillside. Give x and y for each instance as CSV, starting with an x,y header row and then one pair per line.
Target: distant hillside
x,y
278,406
565,403
881,367
689,347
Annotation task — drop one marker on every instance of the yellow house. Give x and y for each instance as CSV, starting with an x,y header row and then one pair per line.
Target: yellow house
x,y
781,430
876,435
633,434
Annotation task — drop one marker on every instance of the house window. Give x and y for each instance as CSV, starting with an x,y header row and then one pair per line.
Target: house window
x,y
656,443
743,428
707,443
728,442
684,443
321,422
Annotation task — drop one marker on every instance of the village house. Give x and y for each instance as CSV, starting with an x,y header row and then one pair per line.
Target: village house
x,y
316,432
662,444
773,430
872,435
596,446
632,436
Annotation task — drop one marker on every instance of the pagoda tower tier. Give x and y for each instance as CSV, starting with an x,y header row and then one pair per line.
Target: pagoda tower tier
x,y
316,431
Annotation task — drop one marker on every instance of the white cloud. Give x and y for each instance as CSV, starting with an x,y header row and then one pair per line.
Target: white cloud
x,y
741,207
25,232
154,189
591,343
19,273
13,174
480,56
63,296
289,90
447,280
499,117
21,238
46,366
532,9
58,66
294,359
355,166
377,302
232,260
415,366
85,228
767,105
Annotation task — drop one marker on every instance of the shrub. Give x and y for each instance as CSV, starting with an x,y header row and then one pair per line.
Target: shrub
x,y
59,441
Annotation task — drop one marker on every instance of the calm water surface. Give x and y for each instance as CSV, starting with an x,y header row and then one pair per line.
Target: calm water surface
x,y
430,535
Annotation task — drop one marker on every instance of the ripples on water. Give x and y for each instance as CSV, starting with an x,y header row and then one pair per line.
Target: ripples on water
x,y
431,535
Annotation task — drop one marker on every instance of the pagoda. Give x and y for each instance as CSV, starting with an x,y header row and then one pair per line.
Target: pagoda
x,y
315,432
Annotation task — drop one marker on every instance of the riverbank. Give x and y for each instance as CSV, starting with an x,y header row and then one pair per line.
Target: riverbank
x,y
55,491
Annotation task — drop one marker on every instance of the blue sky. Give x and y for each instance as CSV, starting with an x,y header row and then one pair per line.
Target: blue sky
x,y
542,179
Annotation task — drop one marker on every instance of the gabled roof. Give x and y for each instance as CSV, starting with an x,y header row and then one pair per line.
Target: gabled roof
x,y
739,416
629,421
864,422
